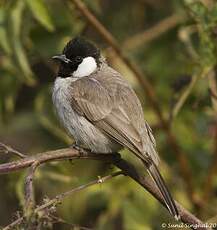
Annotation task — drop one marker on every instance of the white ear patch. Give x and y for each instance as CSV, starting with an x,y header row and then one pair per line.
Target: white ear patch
x,y
87,66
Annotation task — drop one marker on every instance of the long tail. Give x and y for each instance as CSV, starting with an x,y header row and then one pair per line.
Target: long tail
x,y
159,181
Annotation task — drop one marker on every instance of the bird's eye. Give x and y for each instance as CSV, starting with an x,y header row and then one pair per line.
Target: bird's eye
x,y
78,59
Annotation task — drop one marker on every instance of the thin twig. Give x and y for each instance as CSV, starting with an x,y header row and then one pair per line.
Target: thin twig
x,y
184,35
213,95
154,32
213,89
209,181
212,170
29,191
75,226
182,99
7,149
188,91
126,167
60,197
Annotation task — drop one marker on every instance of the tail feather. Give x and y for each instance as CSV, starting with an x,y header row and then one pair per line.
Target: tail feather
x,y
156,176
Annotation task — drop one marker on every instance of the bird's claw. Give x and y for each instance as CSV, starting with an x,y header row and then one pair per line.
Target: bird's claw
x,y
81,150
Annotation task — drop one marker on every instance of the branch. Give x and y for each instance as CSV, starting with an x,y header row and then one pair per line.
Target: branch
x,y
56,219
60,197
55,155
154,32
29,191
127,168
209,181
7,149
188,90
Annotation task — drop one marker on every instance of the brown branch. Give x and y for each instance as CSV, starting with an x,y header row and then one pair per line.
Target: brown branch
x,y
7,149
154,32
209,180
126,167
60,197
212,171
213,95
212,79
63,154
56,219
150,93
29,191
182,99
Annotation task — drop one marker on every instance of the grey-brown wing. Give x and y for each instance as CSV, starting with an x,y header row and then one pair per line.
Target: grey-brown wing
x,y
90,99
124,123
104,101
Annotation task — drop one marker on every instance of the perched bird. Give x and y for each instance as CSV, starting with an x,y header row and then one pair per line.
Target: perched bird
x,y
101,111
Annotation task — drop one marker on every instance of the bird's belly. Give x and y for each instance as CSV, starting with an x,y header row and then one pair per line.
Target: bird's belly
x,y
83,131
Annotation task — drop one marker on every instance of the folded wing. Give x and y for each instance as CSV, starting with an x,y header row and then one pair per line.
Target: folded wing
x,y
104,101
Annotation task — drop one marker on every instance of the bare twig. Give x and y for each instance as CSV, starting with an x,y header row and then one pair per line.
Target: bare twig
x,y
126,167
185,36
209,180
75,226
7,149
29,191
55,155
213,95
208,185
60,197
183,97
213,89
154,32
188,91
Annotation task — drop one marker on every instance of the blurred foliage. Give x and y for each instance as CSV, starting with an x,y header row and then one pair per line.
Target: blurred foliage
x,y
31,32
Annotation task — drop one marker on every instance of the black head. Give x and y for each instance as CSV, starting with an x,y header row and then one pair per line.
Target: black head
x,y
73,54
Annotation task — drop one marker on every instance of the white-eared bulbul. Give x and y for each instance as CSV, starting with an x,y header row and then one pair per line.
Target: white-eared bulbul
x,y
101,111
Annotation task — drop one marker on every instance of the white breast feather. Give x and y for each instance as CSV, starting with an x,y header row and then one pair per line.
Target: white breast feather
x,y
84,132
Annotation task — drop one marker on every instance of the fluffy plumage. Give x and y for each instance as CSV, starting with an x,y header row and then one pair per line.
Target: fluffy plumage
x,y
103,114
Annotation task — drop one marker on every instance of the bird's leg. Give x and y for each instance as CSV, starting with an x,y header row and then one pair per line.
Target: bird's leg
x,y
80,149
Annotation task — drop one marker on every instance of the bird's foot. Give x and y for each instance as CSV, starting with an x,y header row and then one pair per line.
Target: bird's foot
x,y
82,151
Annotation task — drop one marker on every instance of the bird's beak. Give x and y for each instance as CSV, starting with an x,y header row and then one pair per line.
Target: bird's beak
x,y
61,58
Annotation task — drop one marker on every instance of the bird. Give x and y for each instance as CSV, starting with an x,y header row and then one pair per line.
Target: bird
x,y
101,111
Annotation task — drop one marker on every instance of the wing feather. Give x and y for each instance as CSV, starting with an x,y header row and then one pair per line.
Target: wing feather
x,y
104,101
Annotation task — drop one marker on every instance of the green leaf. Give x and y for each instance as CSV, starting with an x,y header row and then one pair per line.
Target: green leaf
x,y
16,17
4,41
24,63
19,52
41,14
199,9
3,34
213,14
